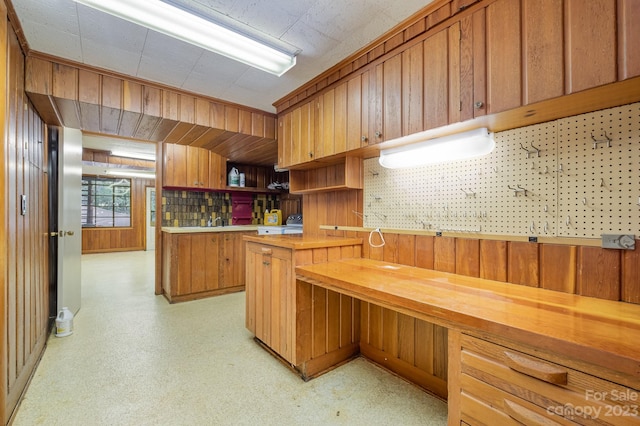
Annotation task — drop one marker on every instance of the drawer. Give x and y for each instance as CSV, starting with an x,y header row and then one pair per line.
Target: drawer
x,y
523,381
278,252
496,406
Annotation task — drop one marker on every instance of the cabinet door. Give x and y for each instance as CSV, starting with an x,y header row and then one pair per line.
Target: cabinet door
x,y
211,261
472,72
412,90
203,168
326,144
183,255
269,295
175,165
278,268
628,36
590,43
255,291
231,261
376,105
217,171
542,41
284,140
392,94
504,56
304,140
193,167
198,263
340,119
436,75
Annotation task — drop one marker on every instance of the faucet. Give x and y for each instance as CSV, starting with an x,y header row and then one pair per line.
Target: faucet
x,y
211,222
218,219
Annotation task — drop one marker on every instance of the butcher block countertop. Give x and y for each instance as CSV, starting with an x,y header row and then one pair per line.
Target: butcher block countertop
x,y
601,332
302,242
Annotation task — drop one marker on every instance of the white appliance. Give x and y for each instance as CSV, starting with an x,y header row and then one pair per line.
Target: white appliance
x,y
293,226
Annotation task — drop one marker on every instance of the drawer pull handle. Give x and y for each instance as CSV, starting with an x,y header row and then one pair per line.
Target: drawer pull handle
x,y
526,416
539,370
266,250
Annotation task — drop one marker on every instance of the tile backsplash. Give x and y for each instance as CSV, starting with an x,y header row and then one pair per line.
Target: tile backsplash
x,y
193,208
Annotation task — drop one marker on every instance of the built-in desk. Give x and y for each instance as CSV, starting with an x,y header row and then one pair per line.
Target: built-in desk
x,y
516,353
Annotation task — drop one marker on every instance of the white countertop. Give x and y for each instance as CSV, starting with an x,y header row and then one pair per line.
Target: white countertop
x,y
197,229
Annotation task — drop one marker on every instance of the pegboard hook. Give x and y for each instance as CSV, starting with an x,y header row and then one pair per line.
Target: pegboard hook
x,y
517,189
534,151
468,193
597,142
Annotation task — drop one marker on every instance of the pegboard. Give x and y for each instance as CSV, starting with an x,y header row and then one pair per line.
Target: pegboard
x,y
600,180
536,178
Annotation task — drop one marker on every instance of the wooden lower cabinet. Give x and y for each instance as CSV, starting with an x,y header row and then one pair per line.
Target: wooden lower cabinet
x,y
507,384
197,265
310,328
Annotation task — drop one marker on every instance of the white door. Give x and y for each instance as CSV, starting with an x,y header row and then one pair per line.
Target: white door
x,y
151,218
69,218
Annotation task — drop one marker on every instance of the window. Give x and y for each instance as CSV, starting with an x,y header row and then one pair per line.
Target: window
x,y
106,202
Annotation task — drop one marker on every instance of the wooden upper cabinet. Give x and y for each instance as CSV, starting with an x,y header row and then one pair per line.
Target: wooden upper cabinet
x,y
197,168
376,104
306,143
356,111
628,36
217,171
504,56
543,52
436,75
175,165
192,167
412,89
284,140
467,67
296,135
392,95
590,38
326,145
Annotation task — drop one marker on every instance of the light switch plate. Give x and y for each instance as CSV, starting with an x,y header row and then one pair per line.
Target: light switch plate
x,y
620,242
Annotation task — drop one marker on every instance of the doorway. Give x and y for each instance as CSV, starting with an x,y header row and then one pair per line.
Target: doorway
x,y
150,220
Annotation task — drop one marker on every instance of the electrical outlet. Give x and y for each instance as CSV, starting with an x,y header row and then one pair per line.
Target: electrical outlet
x,y
619,242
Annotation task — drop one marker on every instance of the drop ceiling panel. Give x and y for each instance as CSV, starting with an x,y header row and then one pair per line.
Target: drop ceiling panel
x,y
326,31
110,57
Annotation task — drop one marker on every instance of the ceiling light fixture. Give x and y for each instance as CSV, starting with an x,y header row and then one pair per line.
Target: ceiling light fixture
x,y
133,173
136,155
177,23
418,151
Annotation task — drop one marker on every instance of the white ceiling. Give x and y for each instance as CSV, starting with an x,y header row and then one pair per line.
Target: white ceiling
x,y
325,32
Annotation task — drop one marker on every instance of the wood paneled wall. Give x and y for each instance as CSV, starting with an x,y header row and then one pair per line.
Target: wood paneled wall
x,y
584,270
102,240
417,350
24,245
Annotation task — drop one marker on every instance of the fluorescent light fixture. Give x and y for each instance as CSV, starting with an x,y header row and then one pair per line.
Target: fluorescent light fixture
x,y
177,23
416,151
136,155
131,173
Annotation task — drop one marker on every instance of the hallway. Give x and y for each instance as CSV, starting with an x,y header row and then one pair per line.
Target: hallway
x,y
135,359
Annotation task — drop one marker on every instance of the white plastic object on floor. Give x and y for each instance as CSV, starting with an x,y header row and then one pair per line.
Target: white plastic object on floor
x,y
64,322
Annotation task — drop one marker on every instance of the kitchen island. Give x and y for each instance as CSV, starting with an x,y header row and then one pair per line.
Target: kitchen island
x,y
203,261
310,329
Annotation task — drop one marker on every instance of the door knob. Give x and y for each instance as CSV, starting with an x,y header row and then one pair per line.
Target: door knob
x,y
70,233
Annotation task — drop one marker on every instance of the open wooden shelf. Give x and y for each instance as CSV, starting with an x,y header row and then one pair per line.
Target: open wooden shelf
x,y
347,174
